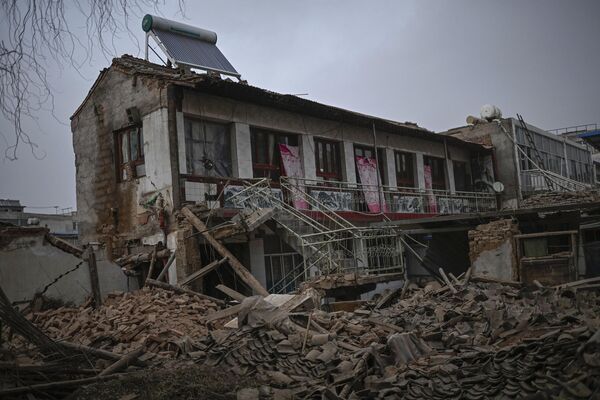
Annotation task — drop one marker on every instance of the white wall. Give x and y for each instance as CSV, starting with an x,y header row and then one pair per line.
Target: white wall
x,y
29,263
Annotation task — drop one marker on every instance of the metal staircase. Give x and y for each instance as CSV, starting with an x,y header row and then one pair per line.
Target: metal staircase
x,y
328,245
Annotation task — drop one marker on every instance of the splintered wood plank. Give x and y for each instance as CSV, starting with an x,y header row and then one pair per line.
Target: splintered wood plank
x,y
231,293
202,271
237,266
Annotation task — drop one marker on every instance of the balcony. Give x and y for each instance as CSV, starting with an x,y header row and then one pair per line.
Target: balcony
x,y
375,200
344,198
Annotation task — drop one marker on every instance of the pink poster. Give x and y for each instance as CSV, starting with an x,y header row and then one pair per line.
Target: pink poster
x,y
429,188
290,155
367,171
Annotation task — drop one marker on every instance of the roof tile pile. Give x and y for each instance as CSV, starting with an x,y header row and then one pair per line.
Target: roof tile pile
x,y
486,341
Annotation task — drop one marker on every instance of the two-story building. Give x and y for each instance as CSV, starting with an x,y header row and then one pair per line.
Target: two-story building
x,y
149,139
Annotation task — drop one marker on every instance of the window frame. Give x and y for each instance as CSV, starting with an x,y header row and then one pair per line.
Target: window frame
x,y
468,180
400,181
336,163
271,168
129,165
437,184
189,149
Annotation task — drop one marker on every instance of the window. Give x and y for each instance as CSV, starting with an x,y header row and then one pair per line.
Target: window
x,y
207,148
266,158
130,153
367,152
328,160
405,169
438,172
462,179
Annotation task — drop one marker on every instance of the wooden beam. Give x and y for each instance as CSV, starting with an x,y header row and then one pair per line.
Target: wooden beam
x,y
202,271
180,290
152,263
445,278
227,312
577,283
123,362
107,355
231,293
166,267
237,266
42,387
94,281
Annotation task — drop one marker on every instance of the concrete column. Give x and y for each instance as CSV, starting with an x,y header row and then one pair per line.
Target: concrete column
x,y
307,152
450,176
567,166
176,270
181,142
241,150
257,261
390,167
349,170
420,171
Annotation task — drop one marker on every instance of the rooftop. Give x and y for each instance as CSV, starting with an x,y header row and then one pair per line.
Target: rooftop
x,y
8,203
214,84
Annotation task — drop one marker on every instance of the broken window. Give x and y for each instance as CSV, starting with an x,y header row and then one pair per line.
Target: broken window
x,y
266,158
130,153
462,178
328,160
438,172
405,169
207,148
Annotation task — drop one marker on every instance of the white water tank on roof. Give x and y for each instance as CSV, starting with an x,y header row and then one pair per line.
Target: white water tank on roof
x,y
490,112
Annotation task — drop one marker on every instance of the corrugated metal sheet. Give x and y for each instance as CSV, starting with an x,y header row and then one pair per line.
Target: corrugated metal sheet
x,y
195,52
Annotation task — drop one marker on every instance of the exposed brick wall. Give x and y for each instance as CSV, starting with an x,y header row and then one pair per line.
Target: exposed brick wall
x,y
491,250
98,192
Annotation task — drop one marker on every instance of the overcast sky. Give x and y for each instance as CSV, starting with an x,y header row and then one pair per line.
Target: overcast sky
x,y
430,62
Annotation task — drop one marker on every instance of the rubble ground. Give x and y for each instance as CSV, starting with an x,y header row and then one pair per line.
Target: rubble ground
x,y
189,382
481,340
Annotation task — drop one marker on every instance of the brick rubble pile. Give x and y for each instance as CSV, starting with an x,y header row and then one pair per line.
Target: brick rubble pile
x,y
561,198
160,319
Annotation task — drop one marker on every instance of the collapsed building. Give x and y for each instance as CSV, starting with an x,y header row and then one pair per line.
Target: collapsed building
x,y
292,189
179,173
150,139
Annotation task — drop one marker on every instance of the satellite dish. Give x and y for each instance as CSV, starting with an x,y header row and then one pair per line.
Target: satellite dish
x,y
498,187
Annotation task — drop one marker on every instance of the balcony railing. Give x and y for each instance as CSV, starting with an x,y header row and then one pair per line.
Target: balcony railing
x,y
342,196
373,199
535,180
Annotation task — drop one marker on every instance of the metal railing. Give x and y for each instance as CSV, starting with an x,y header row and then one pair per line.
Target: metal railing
x,y
535,180
331,245
334,196
574,129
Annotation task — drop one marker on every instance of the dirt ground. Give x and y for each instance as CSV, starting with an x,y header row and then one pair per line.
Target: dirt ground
x,y
192,382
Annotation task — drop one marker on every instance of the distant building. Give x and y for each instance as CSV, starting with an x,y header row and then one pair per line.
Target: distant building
x,y
7,205
517,151
63,225
588,135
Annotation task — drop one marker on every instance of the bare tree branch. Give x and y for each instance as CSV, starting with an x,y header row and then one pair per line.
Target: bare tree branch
x,y
41,33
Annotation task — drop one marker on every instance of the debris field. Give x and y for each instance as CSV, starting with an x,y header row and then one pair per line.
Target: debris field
x,y
481,340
